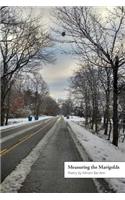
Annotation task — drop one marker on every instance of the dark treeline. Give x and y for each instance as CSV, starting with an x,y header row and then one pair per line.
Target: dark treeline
x,y
93,88
30,96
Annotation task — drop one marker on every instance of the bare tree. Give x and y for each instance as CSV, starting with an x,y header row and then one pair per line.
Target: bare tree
x,y
96,37
22,44
28,95
86,82
105,77
50,106
67,107
40,90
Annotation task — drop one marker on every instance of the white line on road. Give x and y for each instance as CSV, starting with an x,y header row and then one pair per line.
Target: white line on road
x,y
21,140
3,129
13,182
4,139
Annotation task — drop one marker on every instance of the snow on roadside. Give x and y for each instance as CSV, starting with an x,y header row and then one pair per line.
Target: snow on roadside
x,y
76,118
15,122
13,182
99,150
122,146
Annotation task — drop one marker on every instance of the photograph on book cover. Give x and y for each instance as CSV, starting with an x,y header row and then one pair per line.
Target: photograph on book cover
x,y
62,99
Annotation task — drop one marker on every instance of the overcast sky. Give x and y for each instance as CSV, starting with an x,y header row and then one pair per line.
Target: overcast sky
x,y
56,75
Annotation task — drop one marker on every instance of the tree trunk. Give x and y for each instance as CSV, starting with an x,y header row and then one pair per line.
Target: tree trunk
x,y
92,120
107,93
110,129
115,102
93,114
86,117
96,112
107,117
7,109
2,105
2,115
106,127
96,126
86,110
5,92
6,120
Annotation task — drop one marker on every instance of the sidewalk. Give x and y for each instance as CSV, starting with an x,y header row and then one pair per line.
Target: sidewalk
x,y
47,174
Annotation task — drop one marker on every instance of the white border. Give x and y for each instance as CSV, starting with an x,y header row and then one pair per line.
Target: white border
x,y
62,2
63,196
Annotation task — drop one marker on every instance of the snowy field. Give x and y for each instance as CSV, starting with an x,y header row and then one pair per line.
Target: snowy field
x,y
21,121
100,150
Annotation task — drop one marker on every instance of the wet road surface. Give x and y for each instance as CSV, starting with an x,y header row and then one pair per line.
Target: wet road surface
x,y
47,174
23,139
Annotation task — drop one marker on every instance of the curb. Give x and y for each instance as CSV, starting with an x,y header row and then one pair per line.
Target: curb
x,y
101,183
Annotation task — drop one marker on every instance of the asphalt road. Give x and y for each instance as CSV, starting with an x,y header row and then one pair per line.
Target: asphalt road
x,y
12,130
18,142
47,174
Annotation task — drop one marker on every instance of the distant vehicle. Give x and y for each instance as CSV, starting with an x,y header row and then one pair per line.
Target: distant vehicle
x,y
67,116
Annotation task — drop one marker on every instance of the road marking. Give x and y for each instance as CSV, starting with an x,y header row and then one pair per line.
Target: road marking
x,y
15,145
23,138
6,138
2,151
22,125
20,141
15,179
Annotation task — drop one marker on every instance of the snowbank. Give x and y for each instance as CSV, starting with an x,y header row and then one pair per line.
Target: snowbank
x,y
76,118
13,182
21,121
99,149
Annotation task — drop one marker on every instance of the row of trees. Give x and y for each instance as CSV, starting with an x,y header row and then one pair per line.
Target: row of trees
x,y
30,96
99,43
93,88
23,47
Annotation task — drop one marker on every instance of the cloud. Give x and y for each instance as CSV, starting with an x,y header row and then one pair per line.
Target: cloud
x,y
59,94
62,69
57,75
